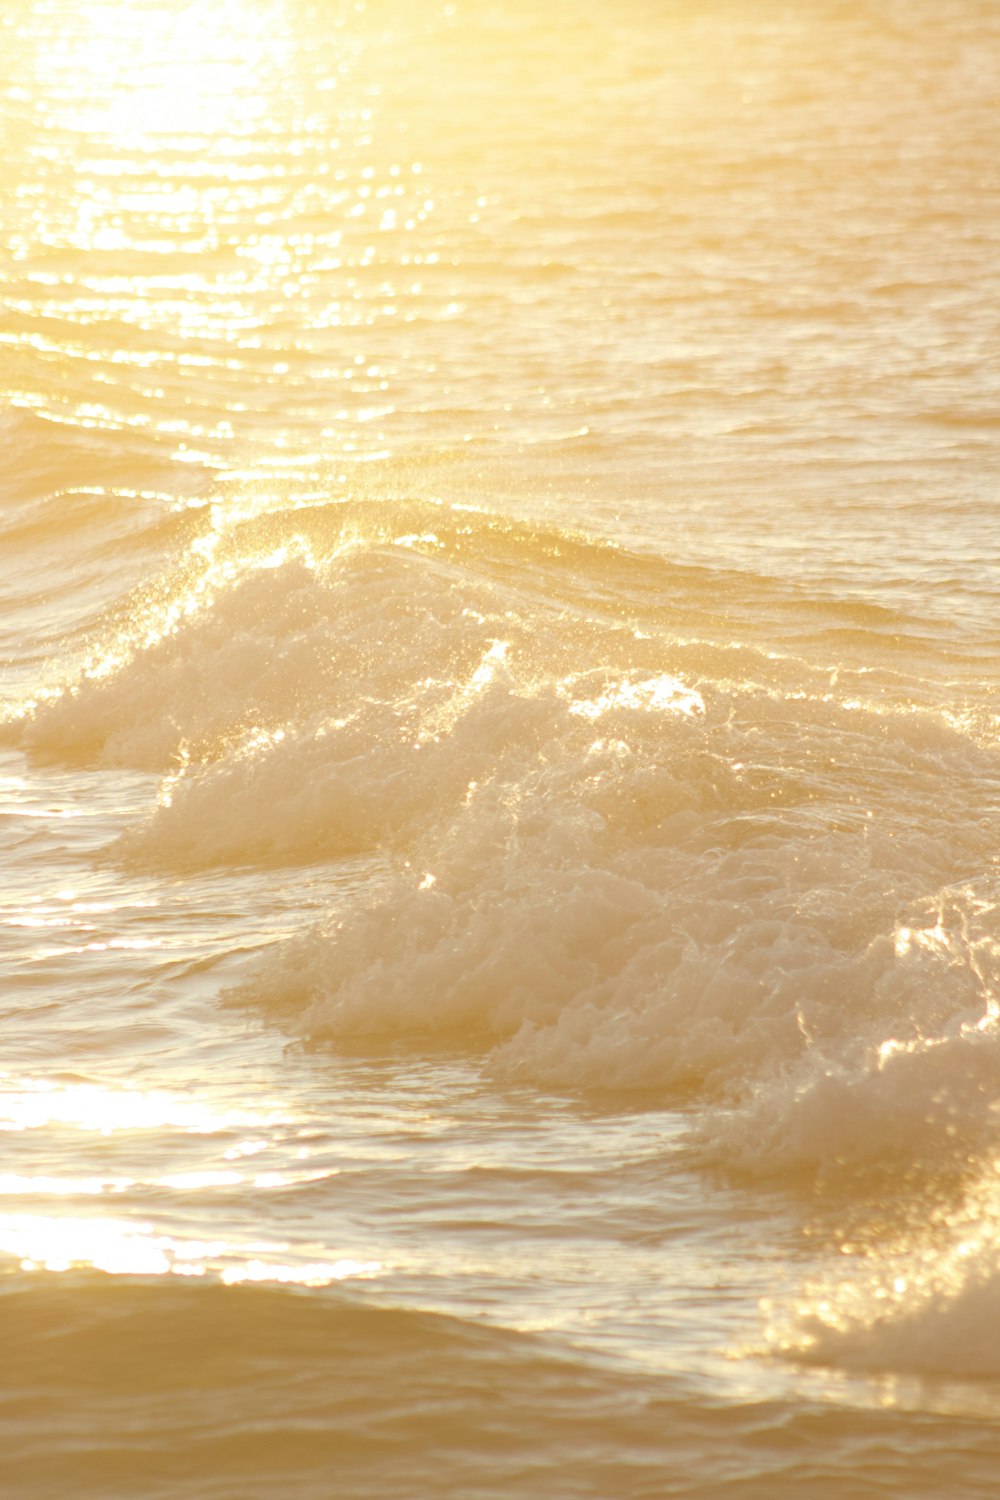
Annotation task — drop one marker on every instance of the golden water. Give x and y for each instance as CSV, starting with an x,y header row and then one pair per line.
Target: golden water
x,y
499,781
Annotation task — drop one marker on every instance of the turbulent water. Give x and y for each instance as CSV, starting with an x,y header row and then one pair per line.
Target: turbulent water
x,y
500,749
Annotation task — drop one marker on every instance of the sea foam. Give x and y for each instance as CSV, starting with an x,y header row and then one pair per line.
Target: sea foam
x,y
685,884
621,856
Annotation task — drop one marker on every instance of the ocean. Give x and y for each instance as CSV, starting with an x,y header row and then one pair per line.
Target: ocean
x,y
499,750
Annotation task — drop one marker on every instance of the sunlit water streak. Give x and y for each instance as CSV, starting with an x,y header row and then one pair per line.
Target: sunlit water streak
x,y
499,784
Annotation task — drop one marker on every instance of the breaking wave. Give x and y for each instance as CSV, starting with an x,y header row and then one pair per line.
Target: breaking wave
x,y
644,831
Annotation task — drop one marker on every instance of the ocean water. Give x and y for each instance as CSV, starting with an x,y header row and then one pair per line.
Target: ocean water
x,y
499,750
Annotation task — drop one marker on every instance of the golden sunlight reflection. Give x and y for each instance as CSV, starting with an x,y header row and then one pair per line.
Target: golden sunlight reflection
x,y
442,720
207,199
124,1247
14,1184
924,1300
664,694
120,1245
311,1273
155,622
31,1104
154,71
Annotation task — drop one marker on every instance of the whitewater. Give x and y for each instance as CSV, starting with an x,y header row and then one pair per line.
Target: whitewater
x,y
499,750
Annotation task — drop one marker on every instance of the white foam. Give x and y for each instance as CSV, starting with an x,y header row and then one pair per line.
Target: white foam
x,y
621,860
332,787
253,643
761,912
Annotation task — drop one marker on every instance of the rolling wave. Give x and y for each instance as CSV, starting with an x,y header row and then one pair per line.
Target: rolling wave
x,y
643,831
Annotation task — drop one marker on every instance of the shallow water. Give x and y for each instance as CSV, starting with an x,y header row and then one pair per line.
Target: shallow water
x,y
499,777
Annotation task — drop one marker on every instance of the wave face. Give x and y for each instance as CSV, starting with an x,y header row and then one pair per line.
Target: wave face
x,y
625,848
499,750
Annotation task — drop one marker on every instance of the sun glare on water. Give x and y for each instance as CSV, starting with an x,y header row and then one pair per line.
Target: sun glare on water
x,y
221,176
167,71
133,1123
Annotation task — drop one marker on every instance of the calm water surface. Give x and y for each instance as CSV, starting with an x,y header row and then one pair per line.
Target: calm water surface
x,y
499,727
